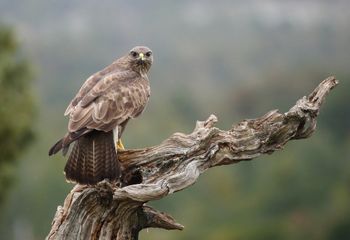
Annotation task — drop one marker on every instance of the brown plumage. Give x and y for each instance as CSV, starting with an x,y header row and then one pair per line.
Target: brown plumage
x,y
99,113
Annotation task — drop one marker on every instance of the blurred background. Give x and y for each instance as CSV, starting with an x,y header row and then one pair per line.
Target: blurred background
x,y
236,59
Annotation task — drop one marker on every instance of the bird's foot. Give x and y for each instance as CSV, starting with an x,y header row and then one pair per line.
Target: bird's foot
x,y
120,145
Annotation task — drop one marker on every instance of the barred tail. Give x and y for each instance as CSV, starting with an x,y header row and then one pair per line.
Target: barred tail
x,y
93,159
63,143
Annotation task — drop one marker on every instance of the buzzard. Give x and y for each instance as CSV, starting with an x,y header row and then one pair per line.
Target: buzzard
x,y
98,115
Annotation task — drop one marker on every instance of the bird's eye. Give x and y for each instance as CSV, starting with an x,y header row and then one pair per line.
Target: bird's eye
x,y
134,54
148,54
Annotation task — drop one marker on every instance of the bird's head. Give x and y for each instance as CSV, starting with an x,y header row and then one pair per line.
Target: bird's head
x,y
140,59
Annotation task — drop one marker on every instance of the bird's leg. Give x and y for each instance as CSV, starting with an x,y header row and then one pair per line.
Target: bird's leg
x,y
117,141
120,145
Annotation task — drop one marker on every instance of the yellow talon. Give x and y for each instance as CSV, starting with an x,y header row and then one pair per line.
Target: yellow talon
x,y
120,145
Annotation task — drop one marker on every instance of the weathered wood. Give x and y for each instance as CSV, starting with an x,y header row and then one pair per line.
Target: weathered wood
x,y
118,210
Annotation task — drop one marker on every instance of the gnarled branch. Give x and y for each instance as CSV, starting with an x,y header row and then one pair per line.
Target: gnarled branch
x,y
111,211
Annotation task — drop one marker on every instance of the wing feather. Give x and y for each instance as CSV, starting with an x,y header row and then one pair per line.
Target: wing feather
x,y
111,101
89,84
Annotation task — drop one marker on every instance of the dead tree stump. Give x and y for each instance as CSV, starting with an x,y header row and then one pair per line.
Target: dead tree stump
x,y
118,211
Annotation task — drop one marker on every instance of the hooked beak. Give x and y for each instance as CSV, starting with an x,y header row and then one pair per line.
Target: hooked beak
x,y
142,56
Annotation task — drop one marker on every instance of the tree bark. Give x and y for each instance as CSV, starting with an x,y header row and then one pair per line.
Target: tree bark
x,y
118,210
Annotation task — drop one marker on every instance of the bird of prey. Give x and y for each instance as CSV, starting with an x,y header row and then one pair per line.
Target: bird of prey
x,y
98,115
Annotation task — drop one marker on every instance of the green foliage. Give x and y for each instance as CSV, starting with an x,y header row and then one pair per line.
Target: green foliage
x,y
16,108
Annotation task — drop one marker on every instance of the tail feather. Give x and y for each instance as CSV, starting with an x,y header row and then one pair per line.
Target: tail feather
x,y
63,143
56,147
93,159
